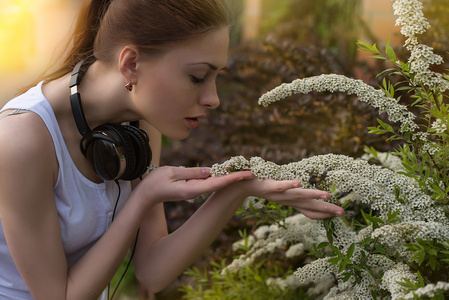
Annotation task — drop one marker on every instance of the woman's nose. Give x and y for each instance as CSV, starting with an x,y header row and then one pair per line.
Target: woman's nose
x,y
210,99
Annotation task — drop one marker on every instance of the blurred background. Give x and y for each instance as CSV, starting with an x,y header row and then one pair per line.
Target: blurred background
x,y
33,32
271,42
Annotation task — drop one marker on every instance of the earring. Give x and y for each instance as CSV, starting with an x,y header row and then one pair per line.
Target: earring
x,y
129,86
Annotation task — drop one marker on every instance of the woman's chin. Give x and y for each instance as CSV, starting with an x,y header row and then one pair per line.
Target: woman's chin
x,y
179,135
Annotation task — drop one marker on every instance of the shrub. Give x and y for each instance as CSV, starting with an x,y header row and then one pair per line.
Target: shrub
x,y
393,242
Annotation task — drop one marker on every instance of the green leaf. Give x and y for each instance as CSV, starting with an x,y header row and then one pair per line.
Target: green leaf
x,y
378,57
350,251
346,276
385,125
419,256
342,265
322,245
368,48
432,252
406,283
336,250
376,130
421,280
367,241
379,249
433,263
390,53
334,260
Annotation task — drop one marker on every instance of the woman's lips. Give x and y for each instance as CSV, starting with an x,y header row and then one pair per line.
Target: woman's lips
x,y
193,122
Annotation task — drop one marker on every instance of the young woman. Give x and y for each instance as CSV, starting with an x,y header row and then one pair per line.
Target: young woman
x,y
67,217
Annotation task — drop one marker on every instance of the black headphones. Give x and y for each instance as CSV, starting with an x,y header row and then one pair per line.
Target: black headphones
x,y
115,151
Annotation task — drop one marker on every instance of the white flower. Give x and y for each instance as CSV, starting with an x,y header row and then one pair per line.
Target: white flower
x,y
394,236
439,126
394,275
290,282
339,83
253,202
387,160
371,184
429,290
268,238
413,22
315,271
410,17
295,250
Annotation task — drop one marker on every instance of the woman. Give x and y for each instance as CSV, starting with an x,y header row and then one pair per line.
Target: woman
x,y
153,61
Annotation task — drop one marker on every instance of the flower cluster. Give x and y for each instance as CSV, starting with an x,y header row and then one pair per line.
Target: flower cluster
x,y
315,271
371,184
391,277
439,126
383,189
340,83
395,236
429,290
299,233
386,160
410,18
413,23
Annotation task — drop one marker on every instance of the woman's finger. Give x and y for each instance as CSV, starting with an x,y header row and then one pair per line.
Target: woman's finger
x,y
180,173
315,214
291,191
318,207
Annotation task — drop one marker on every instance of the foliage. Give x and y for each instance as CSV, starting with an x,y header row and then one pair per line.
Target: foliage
x,y
436,37
272,212
334,27
123,282
394,240
247,283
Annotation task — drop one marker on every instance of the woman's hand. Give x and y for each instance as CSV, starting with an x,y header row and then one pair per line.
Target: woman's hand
x,y
177,183
289,193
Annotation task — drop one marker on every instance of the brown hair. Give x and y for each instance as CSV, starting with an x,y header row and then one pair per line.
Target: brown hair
x,y
104,25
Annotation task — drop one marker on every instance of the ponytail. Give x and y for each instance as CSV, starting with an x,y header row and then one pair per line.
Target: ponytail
x,y
81,43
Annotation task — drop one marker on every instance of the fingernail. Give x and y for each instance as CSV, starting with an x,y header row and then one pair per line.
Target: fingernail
x,y
296,184
339,212
205,171
324,197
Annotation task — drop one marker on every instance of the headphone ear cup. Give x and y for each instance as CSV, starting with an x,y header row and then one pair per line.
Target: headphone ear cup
x,y
143,154
111,152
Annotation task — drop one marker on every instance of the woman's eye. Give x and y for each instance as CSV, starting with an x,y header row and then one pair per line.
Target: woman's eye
x,y
197,80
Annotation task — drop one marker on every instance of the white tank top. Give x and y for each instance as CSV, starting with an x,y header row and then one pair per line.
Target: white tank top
x,y
84,208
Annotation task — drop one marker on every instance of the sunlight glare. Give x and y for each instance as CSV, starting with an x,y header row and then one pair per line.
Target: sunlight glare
x,y
16,33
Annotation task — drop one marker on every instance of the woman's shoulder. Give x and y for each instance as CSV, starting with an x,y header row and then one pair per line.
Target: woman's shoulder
x,y
25,144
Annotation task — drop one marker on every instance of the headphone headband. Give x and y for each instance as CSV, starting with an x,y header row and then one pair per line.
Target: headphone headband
x,y
75,102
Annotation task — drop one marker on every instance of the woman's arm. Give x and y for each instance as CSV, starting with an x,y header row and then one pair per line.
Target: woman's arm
x,y
28,172
31,225
157,264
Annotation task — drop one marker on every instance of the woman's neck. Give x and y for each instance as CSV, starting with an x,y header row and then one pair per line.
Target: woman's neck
x,y
102,93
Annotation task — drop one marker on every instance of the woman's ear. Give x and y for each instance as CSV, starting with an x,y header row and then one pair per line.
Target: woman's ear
x,y
128,63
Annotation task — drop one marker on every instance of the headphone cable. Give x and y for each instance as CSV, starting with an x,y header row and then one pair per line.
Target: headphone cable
x,y
134,247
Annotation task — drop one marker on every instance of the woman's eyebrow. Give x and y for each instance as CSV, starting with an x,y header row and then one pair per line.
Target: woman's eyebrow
x,y
211,66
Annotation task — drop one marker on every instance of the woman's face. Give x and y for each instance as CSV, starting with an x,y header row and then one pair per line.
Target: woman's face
x,y
175,90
